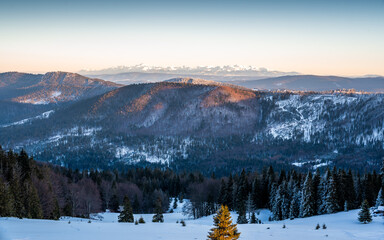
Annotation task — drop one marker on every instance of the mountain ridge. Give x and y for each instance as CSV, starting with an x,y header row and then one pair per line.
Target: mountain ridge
x,y
24,95
194,125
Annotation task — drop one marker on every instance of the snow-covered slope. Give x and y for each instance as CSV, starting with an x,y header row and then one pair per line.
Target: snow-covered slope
x,y
28,120
340,226
170,121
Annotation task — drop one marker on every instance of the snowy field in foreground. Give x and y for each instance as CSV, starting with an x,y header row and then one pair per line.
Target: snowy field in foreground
x,y
341,226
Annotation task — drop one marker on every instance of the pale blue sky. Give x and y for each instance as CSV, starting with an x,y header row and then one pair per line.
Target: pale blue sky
x,y
318,37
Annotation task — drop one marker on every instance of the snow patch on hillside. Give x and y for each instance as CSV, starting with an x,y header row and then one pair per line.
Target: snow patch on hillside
x,y
314,164
55,94
377,134
303,115
127,154
27,120
73,132
51,98
151,153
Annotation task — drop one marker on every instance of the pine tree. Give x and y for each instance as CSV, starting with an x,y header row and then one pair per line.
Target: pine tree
x,y
55,214
275,204
365,214
316,190
350,191
229,193
127,214
255,194
332,205
285,200
175,203
222,192
35,210
380,199
5,200
158,217
307,200
241,199
18,205
224,229
253,219
323,192
114,203
359,191
294,210
136,205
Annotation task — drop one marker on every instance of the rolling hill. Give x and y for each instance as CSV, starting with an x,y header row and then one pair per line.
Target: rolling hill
x,y
24,95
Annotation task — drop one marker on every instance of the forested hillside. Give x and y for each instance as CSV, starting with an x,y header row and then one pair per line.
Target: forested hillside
x,y
207,126
38,190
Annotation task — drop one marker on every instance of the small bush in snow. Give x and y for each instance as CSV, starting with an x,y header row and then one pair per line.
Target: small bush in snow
x,y
182,223
317,226
284,226
324,226
136,222
141,220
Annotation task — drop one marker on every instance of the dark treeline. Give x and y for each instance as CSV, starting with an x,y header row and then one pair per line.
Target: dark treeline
x,y
37,190
287,194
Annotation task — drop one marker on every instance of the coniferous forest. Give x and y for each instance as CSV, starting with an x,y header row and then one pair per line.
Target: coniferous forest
x,y
31,189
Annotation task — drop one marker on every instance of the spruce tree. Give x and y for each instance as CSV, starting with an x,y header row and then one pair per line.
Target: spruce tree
x,y
316,190
175,203
228,201
223,227
136,205
365,214
55,214
222,192
18,205
114,203
350,191
323,193
5,200
332,205
285,200
253,219
158,217
127,214
275,203
380,199
307,208
35,210
241,199
294,210
255,194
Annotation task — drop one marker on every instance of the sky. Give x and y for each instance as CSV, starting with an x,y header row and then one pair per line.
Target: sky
x,y
337,37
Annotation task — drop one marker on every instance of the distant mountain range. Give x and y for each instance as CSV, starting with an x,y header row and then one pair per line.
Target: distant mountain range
x,y
315,83
287,82
192,123
227,70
